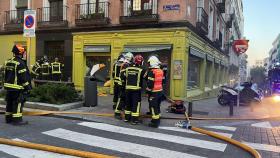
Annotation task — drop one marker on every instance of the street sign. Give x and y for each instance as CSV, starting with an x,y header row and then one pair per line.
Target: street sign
x,y
240,46
29,23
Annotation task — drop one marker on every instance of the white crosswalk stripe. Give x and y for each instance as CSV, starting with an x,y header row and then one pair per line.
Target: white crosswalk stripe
x,y
29,153
121,146
158,136
226,128
192,132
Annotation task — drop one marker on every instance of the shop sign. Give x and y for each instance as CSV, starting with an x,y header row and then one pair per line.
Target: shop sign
x,y
97,49
240,46
210,58
171,7
178,70
146,48
197,53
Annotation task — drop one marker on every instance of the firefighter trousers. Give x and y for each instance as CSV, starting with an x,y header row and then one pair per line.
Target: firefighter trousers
x,y
154,105
14,106
132,105
120,100
56,77
117,91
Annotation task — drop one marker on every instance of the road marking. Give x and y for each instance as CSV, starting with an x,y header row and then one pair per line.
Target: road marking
x,y
116,145
29,153
192,132
226,128
264,147
158,136
262,125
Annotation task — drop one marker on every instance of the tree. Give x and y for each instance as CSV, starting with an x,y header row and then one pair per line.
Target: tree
x,y
258,75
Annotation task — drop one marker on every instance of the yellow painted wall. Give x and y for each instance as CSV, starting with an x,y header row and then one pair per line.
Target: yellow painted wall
x,y
117,40
7,42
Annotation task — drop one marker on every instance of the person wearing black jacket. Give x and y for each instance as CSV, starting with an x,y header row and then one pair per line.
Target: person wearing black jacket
x,y
17,83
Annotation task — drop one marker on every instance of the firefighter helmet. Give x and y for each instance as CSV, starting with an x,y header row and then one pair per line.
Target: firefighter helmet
x,y
138,60
154,62
121,58
18,49
129,56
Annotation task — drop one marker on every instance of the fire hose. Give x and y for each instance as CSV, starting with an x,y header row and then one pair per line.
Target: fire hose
x,y
72,152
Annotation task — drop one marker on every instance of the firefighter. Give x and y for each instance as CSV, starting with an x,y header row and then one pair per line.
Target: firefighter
x,y
56,68
45,68
17,83
35,70
117,80
128,59
155,77
134,78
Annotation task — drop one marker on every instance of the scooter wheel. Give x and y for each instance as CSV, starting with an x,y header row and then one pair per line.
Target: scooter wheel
x,y
222,101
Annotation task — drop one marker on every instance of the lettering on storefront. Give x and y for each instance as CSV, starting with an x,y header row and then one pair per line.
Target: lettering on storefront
x,y
197,53
146,48
210,58
97,49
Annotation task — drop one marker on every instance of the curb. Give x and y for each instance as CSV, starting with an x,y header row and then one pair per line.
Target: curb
x,y
49,107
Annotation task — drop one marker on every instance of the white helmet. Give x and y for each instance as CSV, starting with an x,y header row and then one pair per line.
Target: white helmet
x,y
128,56
154,62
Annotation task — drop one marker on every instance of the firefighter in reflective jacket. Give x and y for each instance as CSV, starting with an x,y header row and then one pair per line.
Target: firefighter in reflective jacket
x,y
17,83
56,68
155,77
35,71
134,78
117,79
128,57
45,68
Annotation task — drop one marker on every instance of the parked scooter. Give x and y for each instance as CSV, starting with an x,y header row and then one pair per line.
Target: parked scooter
x,y
248,94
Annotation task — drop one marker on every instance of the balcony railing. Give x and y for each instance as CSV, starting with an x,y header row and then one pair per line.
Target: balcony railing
x,y
221,4
14,19
139,11
218,43
52,17
229,20
202,21
92,14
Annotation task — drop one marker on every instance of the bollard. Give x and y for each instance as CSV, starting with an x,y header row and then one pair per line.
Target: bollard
x,y
190,109
231,103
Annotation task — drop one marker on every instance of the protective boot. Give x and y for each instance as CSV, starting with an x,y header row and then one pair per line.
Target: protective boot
x,y
134,120
127,118
118,116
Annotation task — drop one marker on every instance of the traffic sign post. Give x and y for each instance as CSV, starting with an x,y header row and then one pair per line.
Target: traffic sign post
x,y
29,29
29,23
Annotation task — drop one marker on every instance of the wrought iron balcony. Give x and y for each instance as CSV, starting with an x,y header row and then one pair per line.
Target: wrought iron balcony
x,y
221,4
92,14
52,17
139,12
229,20
202,21
14,19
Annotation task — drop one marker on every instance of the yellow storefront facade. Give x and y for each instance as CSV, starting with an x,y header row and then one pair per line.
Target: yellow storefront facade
x,y
7,42
195,68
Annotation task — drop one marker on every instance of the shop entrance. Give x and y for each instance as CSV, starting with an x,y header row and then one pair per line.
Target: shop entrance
x,y
165,58
104,74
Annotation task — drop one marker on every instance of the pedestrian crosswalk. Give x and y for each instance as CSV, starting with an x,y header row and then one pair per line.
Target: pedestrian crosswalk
x,y
129,141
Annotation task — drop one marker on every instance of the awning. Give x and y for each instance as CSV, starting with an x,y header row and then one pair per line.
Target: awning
x,y
197,53
210,58
97,48
146,48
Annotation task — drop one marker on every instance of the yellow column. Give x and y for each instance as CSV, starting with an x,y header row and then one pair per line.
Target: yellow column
x,y
202,74
78,62
178,86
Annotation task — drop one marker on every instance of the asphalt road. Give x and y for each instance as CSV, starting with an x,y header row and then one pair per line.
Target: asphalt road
x,y
116,138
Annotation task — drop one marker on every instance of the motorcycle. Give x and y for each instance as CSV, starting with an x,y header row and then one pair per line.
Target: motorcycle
x,y
248,93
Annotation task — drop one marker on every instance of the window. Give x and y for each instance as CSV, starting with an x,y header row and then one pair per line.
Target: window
x,y
193,72
56,10
200,3
217,28
208,73
216,82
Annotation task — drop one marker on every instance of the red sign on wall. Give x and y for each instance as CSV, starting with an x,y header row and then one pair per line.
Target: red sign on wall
x,y
240,46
